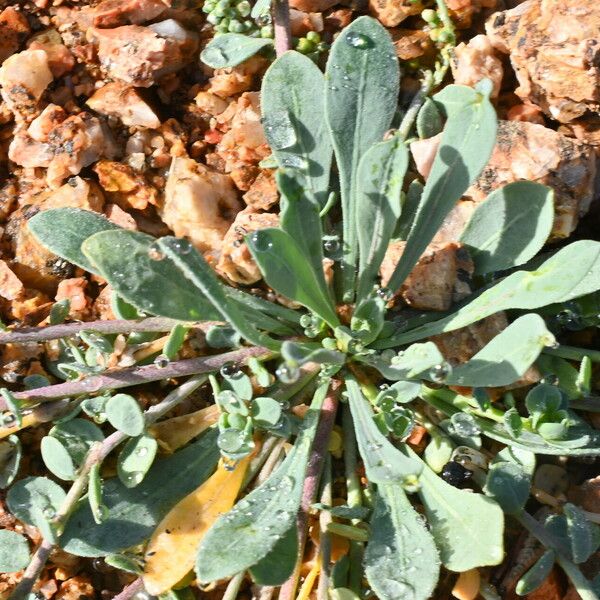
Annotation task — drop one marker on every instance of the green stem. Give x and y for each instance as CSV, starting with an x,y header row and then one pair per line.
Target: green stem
x,y
233,587
573,353
349,531
325,520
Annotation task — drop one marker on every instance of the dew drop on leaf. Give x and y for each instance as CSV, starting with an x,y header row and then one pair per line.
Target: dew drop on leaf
x,y
280,130
154,253
49,512
287,374
357,40
438,373
261,241
161,361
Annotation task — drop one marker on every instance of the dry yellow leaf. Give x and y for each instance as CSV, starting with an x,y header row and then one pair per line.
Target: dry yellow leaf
x,y
172,549
178,431
467,585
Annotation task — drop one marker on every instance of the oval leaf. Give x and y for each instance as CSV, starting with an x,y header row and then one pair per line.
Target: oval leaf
x,y
508,484
135,460
232,49
63,231
124,413
14,551
510,226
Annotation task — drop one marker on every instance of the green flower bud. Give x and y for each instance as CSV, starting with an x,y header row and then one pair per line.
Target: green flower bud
x,y
266,31
213,19
445,36
313,36
235,26
429,15
244,8
305,46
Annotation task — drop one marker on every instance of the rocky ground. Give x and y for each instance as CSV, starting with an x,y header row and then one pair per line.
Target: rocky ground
x,y
105,106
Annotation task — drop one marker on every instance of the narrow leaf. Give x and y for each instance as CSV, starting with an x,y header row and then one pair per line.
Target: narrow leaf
x,y
401,560
171,550
532,580
249,532
579,531
507,357
362,80
281,262
135,459
193,266
380,176
571,272
232,49
383,462
129,261
294,120
510,227
465,148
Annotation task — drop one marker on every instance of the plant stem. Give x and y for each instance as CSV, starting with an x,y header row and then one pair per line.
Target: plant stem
x,y
114,380
324,538
130,590
26,335
96,455
233,587
281,26
311,483
582,585
415,105
573,353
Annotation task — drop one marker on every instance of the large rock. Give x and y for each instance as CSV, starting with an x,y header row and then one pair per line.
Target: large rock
x,y
554,48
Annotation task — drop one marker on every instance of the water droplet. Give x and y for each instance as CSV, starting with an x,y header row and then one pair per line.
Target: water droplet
x,y
550,379
182,246
142,451
280,130
231,370
9,419
154,253
440,372
287,374
135,478
358,40
161,361
385,293
374,446
464,425
418,551
261,241
49,512
331,245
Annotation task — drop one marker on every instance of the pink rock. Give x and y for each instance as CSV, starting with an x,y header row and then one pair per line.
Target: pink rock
x,y
112,13
13,31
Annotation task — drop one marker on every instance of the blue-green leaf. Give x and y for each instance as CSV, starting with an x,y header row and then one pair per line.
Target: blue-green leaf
x,y
281,261
401,560
510,226
465,148
506,358
508,484
294,120
383,462
131,263
232,49
537,574
380,176
360,101
14,551
124,413
63,231
135,459
429,120
579,532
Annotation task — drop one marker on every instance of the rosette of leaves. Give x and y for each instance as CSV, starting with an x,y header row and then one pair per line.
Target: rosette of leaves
x,y
388,369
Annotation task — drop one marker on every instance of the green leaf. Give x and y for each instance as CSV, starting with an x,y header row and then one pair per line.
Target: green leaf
x,y
78,436
222,336
438,452
510,226
410,207
134,513
232,49
11,453
175,341
508,484
14,551
57,459
383,462
143,277
99,511
361,95
429,120
409,363
135,460
401,560
294,120
579,533
266,412
63,231
298,353
300,219
368,318
193,266
535,576
571,272
281,262
507,357
465,148
241,538
380,176
13,404
59,312
467,527
35,501
277,566
124,413
561,368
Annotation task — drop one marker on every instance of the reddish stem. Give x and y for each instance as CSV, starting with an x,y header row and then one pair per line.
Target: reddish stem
x,y
281,26
311,483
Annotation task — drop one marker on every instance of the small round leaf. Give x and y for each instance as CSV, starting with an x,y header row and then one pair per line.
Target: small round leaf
x,y
14,552
124,413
